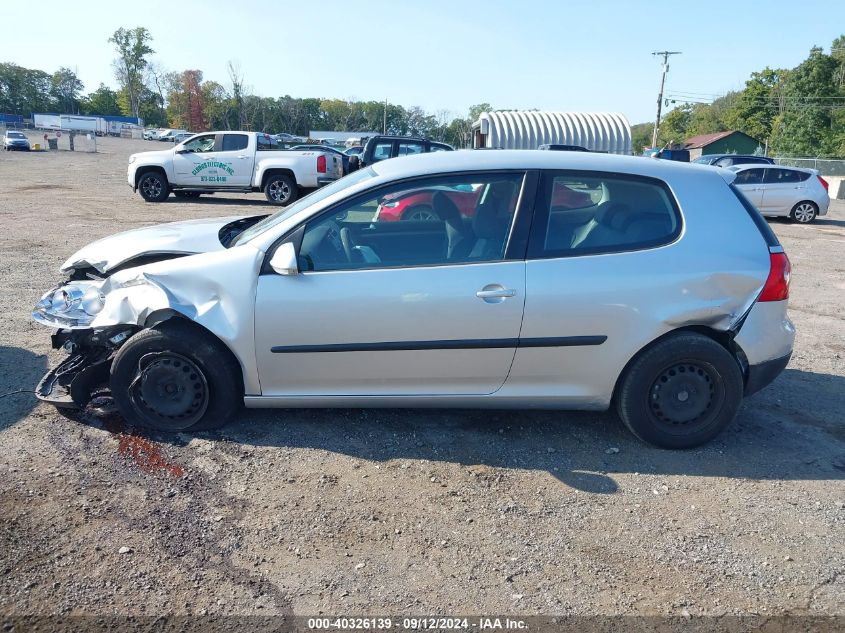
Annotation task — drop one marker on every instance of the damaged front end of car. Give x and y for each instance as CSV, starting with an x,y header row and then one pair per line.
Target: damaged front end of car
x,y
71,308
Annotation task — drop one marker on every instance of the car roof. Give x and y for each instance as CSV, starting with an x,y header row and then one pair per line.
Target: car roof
x,y
473,160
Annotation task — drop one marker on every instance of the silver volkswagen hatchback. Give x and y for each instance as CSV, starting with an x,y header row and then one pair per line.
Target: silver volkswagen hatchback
x,y
522,279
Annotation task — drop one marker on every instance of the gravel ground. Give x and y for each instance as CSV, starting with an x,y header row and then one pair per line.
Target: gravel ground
x,y
406,511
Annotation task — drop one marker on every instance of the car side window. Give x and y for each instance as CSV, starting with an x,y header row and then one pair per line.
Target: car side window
x,y
382,151
234,142
406,149
265,142
588,213
431,221
749,177
778,176
203,143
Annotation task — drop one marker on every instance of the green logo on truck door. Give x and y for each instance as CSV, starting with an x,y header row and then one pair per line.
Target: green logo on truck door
x,y
212,165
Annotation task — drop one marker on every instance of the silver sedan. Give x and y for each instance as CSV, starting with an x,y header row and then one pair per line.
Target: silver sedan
x,y
521,279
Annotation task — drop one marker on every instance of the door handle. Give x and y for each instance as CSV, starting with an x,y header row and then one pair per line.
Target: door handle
x,y
494,293
243,157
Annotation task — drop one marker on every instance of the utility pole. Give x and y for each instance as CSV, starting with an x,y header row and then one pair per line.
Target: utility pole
x,y
384,131
665,55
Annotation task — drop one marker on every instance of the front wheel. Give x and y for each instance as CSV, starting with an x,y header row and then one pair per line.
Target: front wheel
x,y
174,377
280,189
153,186
681,392
804,212
420,213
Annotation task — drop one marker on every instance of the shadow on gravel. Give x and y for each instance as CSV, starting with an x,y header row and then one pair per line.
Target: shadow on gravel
x,y
792,430
19,369
829,222
216,199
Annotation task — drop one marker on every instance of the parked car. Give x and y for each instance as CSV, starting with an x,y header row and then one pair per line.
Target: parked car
x,y
355,150
800,194
282,137
665,298
167,135
380,148
728,160
557,147
14,140
231,161
423,205
152,134
178,137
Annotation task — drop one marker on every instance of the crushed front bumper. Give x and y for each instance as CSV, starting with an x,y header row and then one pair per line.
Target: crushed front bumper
x,y
90,353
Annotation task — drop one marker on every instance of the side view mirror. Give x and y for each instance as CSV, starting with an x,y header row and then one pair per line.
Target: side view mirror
x,y
181,150
284,260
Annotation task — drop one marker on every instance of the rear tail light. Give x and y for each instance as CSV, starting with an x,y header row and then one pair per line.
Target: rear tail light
x,y
824,183
321,163
777,285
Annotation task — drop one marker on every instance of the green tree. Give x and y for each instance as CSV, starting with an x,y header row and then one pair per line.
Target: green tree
x,y
133,48
65,90
102,101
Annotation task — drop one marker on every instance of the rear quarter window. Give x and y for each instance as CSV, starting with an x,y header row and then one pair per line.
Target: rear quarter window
x,y
585,213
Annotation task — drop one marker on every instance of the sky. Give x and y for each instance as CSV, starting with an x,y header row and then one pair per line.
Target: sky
x,y
440,55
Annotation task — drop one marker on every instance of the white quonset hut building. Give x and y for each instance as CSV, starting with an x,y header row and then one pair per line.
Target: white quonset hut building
x,y
516,129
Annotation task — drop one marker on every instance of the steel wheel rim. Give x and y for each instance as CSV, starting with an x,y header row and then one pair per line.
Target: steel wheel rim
x,y
805,212
151,187
169,390
279,190
686,396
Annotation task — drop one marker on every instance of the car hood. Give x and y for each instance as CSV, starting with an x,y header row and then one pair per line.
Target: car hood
x,y
175,238
155,156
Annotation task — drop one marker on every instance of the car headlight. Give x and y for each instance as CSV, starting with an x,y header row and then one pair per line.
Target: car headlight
x,y
74,304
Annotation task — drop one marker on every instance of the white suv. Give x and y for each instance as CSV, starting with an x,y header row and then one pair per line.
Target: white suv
x,y
800,194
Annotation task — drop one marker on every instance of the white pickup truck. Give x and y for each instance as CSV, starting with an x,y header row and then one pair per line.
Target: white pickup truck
x,y
231,161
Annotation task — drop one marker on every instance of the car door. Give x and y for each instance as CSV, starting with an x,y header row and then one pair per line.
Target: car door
x,y
189,158
782,188
750,183
235,158
386,308
594,278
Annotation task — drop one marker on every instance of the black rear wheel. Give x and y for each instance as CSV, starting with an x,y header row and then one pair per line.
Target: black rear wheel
x,y
280,189
681,392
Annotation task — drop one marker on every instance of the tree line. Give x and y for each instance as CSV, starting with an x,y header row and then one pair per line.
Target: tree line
x,y
798,111
185,99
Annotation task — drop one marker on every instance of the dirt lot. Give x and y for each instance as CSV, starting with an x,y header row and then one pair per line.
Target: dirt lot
x,y
389,512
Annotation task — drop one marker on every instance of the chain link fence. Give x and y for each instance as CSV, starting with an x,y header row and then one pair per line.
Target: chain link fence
x,y
825,166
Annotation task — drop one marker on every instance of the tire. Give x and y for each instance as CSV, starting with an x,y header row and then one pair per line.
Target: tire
x,y
280,189
175,377
153,186
804,212
420,212
681,392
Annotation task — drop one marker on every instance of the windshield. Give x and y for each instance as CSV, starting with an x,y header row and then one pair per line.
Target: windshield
x,y
15,135
311,199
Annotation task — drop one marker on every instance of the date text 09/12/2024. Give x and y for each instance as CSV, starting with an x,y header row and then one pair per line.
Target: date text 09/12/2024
x,y
416,624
